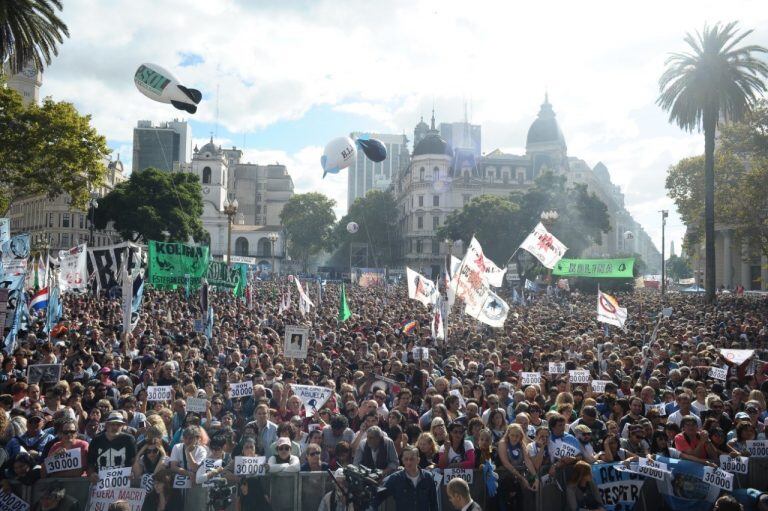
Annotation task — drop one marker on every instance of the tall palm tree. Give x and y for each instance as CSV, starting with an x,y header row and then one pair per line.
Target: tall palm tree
x,y
716,80
29,32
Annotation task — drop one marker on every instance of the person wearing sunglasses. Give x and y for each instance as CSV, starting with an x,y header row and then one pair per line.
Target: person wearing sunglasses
x,y
283,460
150,459
314,463
68,440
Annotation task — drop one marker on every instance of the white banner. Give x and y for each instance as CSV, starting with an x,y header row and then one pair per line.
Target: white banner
x,y
100,500
737,465
242,389
718,373
73,269
530,378
296,341
114,478
250,466
557,368
654,469
491,310
197,404
10,502
608,310
421,288
159,393
579,376
312,397
544,247
737,357
491,273
719,478
64,460
458,473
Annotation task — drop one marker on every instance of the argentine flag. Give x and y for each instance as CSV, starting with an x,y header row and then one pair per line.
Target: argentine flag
x,y
39,300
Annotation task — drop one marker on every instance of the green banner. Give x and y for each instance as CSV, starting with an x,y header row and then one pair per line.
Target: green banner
x,y
171,264
233,277
600,268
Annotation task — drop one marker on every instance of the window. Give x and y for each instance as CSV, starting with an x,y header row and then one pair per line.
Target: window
x,y
81,221
241,246
421,174
435,247
421,201
491,176
435,200
435,222
520,177
436,174
419,247
65,219
207,175
265,247
65,240
419,222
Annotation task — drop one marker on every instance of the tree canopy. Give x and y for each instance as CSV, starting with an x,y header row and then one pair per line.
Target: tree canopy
x,y
152,204
48,149
308,220
376,215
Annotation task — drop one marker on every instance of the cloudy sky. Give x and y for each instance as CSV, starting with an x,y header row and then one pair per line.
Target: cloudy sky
x,y
291,75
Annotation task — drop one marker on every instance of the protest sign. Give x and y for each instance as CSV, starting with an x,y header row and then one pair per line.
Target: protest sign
x,y
209,465
420,353
296,341
250,466
159,393
458,473
556,367
44,373
718,478
176,264
598,386
10,502
64,460
737,465
758,448
530,378
181,482
653,469
114,478
242,389
659,407
197,404
600,268
101,499
579,376
560,449
312,397
718,373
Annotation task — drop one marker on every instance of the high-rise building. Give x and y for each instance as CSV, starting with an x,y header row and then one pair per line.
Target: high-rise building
x,y
165,146
365,175
462,135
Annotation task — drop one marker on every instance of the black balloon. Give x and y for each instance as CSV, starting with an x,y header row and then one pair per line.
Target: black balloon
x,y
373,149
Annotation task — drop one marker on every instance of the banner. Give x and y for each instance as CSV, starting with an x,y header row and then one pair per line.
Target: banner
x,y
492,274
175,264
367,277
296,341
687,282
222,276
15,306
421,288
736,357
686,488
492,310
608,310
15,253
5,230
105,263
598,268
73,269
100,500
618,489
313,397
543,246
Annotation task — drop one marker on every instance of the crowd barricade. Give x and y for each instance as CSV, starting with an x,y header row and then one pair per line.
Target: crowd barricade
x,y
303,491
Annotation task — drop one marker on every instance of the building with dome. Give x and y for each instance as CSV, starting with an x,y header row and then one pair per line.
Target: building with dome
x,y
442,178
261,192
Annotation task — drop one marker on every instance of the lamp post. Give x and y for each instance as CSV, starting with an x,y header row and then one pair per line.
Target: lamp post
x,y
548,218
93,203
273,237
664,215
230,209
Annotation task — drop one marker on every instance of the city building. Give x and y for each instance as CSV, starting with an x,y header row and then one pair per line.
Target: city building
x,y
165,146
462,135
27,83
365,175
261,192
441,178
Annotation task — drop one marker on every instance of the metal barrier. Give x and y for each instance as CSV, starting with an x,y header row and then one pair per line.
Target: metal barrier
x,y
304,491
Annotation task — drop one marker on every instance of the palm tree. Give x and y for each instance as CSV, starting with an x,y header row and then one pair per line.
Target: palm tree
x,y
29,32
716,80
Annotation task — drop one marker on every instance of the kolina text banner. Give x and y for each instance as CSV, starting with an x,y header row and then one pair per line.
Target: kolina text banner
x,y
176,264
600,268
230,277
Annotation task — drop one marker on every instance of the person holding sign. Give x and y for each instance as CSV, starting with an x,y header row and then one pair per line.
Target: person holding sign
x,y
111,448
68,442
185,459
251,491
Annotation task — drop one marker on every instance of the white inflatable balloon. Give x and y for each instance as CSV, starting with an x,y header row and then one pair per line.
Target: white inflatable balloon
x,y
339,154
629,235
352,227
159,84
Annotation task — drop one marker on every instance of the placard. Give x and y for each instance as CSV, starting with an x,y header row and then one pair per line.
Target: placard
x,y
718,373
197,404
44,373
296,341
250,466
100,500
598,386
758,448
530,378
181,482
560,449
579,376
557,368
737,465
312,397
114,478
242,389
458,473
660,407
10,502
654,469
208,466
420,353
719,478
148,482
64,460
159,393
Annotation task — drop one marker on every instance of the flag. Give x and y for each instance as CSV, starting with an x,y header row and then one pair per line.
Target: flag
x,y
544,247
344,312
54,309
138,296
491,273
450,286
516,297
531,286
127,292
304,302
608,310
421,288
492,310
437,326
209,326
73,269
408,327
39,300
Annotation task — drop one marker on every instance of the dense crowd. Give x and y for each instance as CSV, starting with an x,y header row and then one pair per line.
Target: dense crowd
x,y
460,407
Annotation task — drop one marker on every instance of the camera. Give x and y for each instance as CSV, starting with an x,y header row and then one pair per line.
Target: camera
x,y
221,494
362,484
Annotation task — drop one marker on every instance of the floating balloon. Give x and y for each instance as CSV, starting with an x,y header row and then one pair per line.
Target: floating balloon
x,y
352,227
159,84
339,154
373,149
629,235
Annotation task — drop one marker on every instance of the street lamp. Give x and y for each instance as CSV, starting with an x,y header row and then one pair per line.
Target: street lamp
x,y
273,237
230,209
93,203
664,215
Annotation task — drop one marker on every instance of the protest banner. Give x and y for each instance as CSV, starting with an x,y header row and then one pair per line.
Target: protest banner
x,y
250,466
312,397
597,268
176,264
10,502
114,478
44,373
619,489
64,460
296,341
159,393
197,404
650,468
557,368
101,499
458,473
579,376
530,378
242,389
737,465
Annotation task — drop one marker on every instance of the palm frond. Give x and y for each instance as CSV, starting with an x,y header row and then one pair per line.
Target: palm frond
x,y
30,32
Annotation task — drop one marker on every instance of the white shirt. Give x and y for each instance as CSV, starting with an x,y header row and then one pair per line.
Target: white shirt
x,y
198,455
678,416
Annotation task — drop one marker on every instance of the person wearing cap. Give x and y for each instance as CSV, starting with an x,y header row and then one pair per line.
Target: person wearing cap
x,y
111,448
283,460
583,434
33,441
55,498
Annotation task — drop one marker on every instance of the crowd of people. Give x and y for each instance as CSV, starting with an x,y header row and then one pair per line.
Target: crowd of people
x,y
460,407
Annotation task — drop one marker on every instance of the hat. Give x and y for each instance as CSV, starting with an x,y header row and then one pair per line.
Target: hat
x,y
115,417
39,415
742,415
105,370
283,441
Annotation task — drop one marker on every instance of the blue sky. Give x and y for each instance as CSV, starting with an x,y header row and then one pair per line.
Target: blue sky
x,y
292,75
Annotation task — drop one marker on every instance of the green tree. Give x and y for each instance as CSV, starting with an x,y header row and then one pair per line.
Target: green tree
x,y
30,31
493,220
678,268
308,220
47,149
376,216
154,204
716,79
